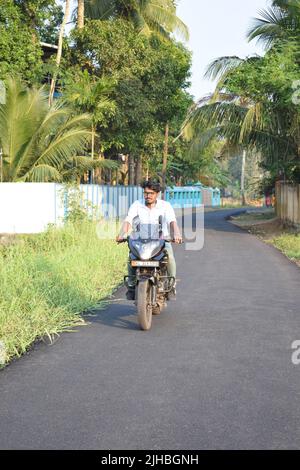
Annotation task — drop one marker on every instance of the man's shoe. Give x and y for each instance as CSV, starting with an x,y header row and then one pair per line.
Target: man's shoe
x,y
130,294
172,293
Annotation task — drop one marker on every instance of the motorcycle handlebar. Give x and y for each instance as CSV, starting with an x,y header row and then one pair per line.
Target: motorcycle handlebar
x,y
124,240
169,240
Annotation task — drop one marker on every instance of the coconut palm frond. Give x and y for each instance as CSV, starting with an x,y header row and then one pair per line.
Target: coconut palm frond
x,y
273,24
221,66
100,9
80,121
42,173
19,117
34,136
87,163
202,141
163,13
252,120
64,146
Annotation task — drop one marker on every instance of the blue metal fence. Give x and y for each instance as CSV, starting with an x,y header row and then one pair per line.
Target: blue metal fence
x,y
114,201
193,196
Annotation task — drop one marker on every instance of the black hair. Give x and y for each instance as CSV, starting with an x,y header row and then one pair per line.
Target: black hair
x,y
152,184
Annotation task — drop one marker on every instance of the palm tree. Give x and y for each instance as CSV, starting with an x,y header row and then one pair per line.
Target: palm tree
x,y
92,95
243,124
40,143
280,22
146,15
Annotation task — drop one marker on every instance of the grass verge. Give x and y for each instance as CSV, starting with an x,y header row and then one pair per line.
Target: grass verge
x,y
289,244
48,279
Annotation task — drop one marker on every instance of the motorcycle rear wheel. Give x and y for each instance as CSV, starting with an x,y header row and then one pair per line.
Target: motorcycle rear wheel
x,y
144,307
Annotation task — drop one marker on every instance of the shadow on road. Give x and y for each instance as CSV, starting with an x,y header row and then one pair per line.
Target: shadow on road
x,y
115,314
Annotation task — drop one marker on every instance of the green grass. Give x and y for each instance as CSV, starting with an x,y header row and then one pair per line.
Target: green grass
x,y
264,215
289,244
48,279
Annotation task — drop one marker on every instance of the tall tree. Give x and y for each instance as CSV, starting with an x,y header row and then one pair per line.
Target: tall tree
x,y
146,15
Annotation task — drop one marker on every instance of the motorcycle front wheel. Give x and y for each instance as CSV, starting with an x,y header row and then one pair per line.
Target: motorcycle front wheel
x,y
144,307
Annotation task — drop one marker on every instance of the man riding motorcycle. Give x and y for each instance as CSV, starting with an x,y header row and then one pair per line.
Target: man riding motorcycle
x,y
150,211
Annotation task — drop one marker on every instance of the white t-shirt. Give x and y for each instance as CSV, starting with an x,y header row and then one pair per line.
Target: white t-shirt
x,y
151,216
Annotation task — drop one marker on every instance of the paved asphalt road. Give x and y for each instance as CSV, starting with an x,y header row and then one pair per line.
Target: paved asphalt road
x,y
215,371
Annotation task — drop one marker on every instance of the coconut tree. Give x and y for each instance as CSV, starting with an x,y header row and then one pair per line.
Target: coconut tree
x,y
92,95
280,22
260,121
40,143
146,15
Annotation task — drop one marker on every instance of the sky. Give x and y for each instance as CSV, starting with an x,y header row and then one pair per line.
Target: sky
x,y
217,28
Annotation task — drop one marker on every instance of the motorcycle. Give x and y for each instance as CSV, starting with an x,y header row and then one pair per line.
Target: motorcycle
x,y
149,258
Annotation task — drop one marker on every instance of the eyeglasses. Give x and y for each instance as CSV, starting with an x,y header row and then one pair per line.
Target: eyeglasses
x,y
148,193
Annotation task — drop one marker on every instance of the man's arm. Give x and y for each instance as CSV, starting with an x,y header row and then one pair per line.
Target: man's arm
x,y
127,224
171,219
175,232
126,227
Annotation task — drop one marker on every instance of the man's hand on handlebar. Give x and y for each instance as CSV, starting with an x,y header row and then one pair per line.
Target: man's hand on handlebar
x,y
121,238
178,239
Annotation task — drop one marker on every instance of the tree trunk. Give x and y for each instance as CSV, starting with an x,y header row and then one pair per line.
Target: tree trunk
x,y
165,160
80,14
98,170
131,169
139,171
59,50
243,179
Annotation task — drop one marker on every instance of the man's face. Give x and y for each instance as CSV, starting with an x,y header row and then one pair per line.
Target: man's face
x,y
150,196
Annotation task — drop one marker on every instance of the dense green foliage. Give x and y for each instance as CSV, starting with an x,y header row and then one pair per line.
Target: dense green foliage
x,y
150,77
20,52
121,66
146,15
256,102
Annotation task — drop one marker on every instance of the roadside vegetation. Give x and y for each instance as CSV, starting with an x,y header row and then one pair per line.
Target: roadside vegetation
x,y
289,244
253,114
48,279
270,229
